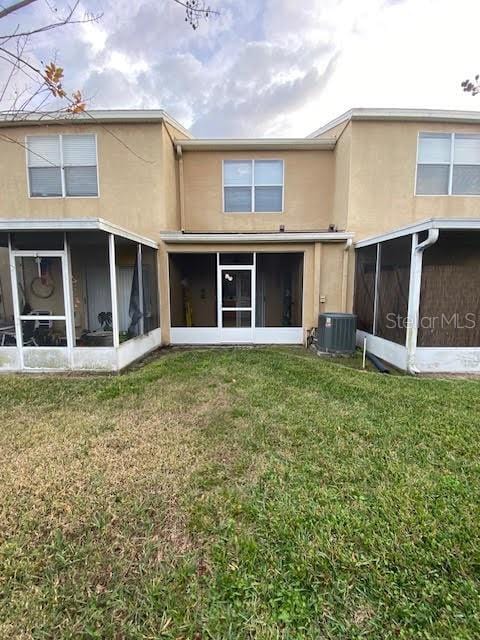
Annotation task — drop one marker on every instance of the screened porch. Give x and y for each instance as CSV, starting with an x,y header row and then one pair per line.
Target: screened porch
x,y
417,296
76,295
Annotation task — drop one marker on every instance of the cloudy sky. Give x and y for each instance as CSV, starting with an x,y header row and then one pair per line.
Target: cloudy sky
x,y
266,67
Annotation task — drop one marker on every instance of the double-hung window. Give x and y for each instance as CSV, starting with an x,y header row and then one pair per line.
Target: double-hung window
x,y
448,164
251,186
62,166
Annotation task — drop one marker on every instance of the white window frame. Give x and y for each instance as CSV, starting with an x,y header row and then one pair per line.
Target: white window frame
x,y
450,164
253,185
62,167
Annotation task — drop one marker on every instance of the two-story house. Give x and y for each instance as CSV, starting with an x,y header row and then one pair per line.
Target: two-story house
x,y
120,232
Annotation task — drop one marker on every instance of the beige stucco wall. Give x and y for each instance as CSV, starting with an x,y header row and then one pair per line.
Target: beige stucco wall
x,y
137,182
308,196
382,183
366,185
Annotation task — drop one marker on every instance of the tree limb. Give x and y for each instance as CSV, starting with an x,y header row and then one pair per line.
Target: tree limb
x,y
15,7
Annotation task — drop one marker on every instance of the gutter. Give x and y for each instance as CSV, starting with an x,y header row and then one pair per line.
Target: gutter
x,y
414,295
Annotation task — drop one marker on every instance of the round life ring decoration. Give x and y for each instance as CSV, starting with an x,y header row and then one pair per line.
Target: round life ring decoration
x,y
42,287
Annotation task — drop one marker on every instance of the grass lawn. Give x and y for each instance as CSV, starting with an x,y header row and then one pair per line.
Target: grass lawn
x,y
239,494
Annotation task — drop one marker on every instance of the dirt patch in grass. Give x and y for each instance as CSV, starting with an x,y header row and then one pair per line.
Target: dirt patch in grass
x,y
90,498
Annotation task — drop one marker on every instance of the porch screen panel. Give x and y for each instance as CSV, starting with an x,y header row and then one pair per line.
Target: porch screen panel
x,y
129,294
40,285
37,240
193,289
92,296
151,311
450,292
364,296
279,290
41,300
393,286
7,323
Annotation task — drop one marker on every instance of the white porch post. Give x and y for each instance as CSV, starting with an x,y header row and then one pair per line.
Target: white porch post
x,y
113,287
219,294
140,287
68,299
16,305
416,264
375,295
253,293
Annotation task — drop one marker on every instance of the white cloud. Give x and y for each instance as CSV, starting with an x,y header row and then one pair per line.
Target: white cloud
x,y
270,67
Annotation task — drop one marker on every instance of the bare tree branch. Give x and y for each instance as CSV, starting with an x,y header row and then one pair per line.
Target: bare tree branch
x,y
44,83
7,138
15,7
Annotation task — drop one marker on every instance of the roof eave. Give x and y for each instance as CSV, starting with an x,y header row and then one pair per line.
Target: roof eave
x,y
259,144
101,116
400,115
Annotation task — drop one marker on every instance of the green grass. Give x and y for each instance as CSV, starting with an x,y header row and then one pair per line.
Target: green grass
x,y
240,493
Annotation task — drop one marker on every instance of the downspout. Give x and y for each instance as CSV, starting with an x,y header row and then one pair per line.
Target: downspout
x,y
181,187
346,250
414,295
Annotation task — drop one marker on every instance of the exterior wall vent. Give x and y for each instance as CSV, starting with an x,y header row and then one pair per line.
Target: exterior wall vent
x,y
336,332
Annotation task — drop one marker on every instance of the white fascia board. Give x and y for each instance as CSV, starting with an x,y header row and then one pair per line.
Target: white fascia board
x,y
419,115
431,115
252,238
72,224
424,225
103,116
345,117
258,144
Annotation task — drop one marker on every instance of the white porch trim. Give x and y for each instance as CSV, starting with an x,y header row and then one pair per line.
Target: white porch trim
x,y
61,359
252,238
72,224
424,225
215,335
387,350
448,359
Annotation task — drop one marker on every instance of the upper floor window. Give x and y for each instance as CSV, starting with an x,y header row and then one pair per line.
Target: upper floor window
x,y
448,164
62,166
252,186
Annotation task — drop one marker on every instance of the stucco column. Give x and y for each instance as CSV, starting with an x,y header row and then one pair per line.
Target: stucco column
x,y
164,290
346,253
317,275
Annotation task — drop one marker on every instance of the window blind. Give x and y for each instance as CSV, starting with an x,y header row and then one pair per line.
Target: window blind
x,y
73,155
